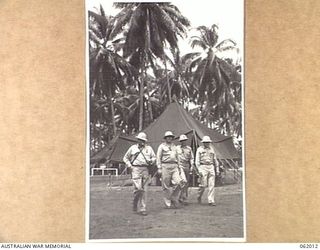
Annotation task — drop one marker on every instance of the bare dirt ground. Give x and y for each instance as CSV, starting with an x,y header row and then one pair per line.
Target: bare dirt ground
x,y
111,215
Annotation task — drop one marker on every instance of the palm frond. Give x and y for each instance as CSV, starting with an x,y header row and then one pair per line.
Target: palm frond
x,y
214,28
93,37
189,56
199,72
217,73
165,18
204,34
208,35
123,5
228,48
167,24
134,37
93,26
182,19
156,40
181,22
147,39
102,22
226,42
121,19
102,11
199,43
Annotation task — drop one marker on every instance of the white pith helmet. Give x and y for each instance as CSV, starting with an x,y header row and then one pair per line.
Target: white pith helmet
x,y
168,133
142,136
183,138
206,139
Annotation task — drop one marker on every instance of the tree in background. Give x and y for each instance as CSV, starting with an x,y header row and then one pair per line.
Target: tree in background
x,y
109,72
136,69
216,82
150,28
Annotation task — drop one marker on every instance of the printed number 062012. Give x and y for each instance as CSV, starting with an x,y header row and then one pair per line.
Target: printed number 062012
x,y
308,245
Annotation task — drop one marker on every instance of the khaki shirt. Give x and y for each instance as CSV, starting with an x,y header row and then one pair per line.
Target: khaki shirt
x,y
205,156
167,154
147,153
185,155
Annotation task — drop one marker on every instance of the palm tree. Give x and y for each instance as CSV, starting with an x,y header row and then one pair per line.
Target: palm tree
x,y
128,102
179,86
101,129
108,70
206,68
150,27
214,78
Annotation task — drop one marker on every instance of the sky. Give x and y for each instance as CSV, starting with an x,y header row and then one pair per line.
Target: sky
x,y
227,14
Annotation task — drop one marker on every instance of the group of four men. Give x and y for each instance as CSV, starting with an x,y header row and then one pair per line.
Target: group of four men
x,y
174,164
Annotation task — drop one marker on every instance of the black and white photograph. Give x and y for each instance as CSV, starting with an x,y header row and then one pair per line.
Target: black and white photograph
x,y
165,139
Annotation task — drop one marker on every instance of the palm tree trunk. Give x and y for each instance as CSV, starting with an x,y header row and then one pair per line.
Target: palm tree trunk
x,y
144,73
112,112
148,94
100,140
167,77
150,106
113,120
100,133
141,104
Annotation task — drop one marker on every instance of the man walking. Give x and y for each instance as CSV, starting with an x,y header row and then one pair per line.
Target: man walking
x,y
139,158
186,160
168,166
206,162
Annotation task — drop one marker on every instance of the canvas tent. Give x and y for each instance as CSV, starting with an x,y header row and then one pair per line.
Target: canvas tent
x,y
176,119
104,152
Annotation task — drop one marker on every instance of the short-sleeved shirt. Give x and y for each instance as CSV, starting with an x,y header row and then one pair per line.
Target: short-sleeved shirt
x,y
167,153
134,157
185,155
205,156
